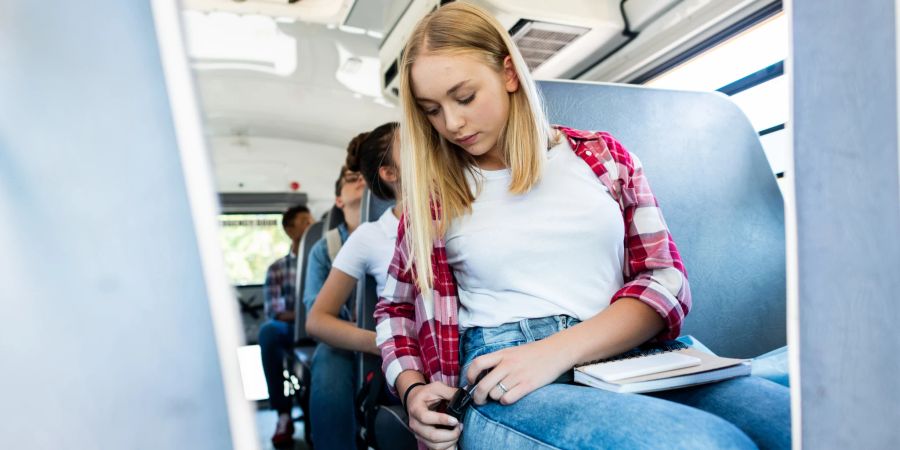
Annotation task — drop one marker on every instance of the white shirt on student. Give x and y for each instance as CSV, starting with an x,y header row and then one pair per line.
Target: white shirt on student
x,y
558,249
369,249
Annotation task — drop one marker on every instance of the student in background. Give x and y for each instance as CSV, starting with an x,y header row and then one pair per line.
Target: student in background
x,y
367,251
349,189
276,335
525,250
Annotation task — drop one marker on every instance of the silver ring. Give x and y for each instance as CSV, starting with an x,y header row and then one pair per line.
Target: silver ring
x,y
502,387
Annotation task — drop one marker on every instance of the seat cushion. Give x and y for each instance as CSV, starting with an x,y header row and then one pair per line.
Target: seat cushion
x,y
391,429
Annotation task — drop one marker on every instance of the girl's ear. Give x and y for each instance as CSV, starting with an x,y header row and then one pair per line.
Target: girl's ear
x,y
511,78
388,174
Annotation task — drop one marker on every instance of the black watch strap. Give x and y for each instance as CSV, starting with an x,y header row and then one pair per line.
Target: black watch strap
x,y
406,394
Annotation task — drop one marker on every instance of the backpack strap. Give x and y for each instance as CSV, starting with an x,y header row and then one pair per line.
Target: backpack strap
x,y
333,241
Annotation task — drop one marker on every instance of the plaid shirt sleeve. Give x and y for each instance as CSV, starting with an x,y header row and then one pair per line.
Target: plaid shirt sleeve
x,y
395,316
654,272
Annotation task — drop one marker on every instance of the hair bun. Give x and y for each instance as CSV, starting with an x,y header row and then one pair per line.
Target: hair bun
x,y
353,151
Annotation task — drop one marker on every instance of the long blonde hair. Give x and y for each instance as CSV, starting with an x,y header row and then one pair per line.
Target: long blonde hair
x,y
434,170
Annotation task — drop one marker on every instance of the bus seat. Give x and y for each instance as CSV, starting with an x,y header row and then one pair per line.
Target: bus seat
x,y
366,297
304,346
388,423
721,202
310,237
334,217
250,301
316,231
111,248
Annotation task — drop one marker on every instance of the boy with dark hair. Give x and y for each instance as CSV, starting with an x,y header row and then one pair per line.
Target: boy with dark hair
x,y
276,335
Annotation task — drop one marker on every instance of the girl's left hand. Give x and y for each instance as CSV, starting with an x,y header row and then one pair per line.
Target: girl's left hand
x,y
520,369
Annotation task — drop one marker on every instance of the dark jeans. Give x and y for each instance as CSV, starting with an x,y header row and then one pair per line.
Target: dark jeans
x,y
275,342
331,400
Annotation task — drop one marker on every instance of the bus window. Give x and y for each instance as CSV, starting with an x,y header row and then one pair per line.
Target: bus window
x,y
759,47
250,243
749,67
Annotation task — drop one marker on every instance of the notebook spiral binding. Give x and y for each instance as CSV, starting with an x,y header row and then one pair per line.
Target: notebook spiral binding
x,y
650,348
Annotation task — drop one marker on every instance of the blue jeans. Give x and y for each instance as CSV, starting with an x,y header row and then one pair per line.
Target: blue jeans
x,y
275,341
740,413
331,399
773,366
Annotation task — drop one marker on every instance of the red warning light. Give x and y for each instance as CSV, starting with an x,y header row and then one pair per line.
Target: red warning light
x,y
295,186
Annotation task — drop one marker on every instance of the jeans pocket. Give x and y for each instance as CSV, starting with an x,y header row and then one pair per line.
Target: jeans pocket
x,y
502,335
477,339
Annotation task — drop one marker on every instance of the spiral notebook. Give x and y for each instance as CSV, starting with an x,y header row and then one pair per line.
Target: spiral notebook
x,y
659,367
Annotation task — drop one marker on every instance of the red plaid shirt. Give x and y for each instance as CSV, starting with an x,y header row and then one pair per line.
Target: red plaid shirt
x,y
415,334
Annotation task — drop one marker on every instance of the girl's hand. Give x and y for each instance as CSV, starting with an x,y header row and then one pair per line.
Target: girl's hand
x,y
520,369
423,421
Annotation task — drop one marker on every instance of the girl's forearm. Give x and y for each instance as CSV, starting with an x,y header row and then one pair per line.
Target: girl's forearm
x,y
324,324
406,379
622,326
341,334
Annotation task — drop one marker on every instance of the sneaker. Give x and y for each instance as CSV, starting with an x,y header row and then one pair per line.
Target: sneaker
x,y
284,432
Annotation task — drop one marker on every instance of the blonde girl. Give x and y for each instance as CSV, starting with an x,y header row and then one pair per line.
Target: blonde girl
x,y
525,250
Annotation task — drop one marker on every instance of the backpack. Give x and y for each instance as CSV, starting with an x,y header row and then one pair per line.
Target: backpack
x,y
333,242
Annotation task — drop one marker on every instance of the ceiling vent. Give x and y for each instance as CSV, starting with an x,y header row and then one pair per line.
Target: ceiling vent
x,y
558,39
539,41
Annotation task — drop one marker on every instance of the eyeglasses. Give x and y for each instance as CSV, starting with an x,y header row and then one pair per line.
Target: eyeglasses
x,y
351,177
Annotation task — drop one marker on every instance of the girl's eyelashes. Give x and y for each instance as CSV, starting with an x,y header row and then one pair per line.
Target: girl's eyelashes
x,y
435,111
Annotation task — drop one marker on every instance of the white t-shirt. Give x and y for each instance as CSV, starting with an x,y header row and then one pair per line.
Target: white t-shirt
x,y
558,249
369,249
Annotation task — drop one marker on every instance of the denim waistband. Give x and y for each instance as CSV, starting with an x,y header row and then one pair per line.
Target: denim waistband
x,y
479,341
527,330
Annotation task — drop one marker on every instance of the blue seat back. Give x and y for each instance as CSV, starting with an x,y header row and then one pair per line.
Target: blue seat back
x,y
717,192
366,295
313,234
120,329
